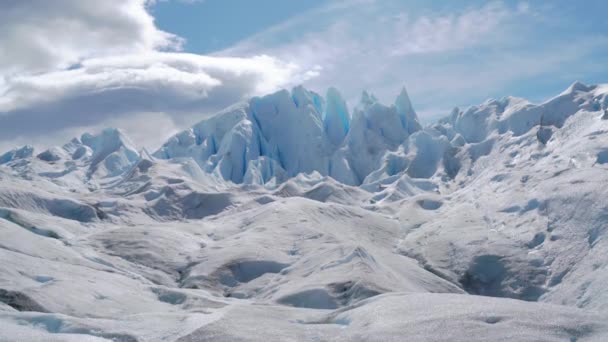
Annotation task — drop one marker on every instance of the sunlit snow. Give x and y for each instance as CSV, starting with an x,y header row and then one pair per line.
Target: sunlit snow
x,y
290,217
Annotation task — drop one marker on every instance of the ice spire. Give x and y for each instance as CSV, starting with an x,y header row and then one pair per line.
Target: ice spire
x,y
406,112
336,121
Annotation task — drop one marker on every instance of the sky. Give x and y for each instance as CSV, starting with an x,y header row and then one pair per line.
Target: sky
x,y
154,67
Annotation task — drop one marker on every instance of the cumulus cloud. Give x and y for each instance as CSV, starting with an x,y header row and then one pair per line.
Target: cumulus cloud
x,y
100,89
38,35
175,78
71,65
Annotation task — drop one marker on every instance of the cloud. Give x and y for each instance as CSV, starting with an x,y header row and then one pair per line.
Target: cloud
x,y
434,34
446,54
146,129
38,35
377,45
109,88
370,28
188,77
73,65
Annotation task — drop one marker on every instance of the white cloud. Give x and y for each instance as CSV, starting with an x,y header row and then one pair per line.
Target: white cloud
x,y
445,53
70,65
191,78
38,35
432,34
372,28
372,45
104,90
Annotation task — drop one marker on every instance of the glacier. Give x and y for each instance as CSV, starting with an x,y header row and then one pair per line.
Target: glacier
x,y
283,134
293,217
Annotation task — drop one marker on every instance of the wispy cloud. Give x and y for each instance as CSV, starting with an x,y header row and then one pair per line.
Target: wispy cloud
x,y
345,29
434,34
446,55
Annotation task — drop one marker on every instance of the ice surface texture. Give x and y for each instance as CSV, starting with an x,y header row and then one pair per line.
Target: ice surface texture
x,y
291,217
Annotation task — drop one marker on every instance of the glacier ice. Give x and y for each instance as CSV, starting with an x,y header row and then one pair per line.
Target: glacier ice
x,y
18,153
293,216
300,132
409,119
336,119
287,133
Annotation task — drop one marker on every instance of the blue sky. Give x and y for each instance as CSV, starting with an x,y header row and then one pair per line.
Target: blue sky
x,y
209,26
528,49
153,67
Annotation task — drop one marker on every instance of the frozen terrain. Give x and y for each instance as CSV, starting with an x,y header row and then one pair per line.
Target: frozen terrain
x,y
291,217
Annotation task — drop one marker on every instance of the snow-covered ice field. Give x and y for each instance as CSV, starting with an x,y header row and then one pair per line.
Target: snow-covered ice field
x,y
290,218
